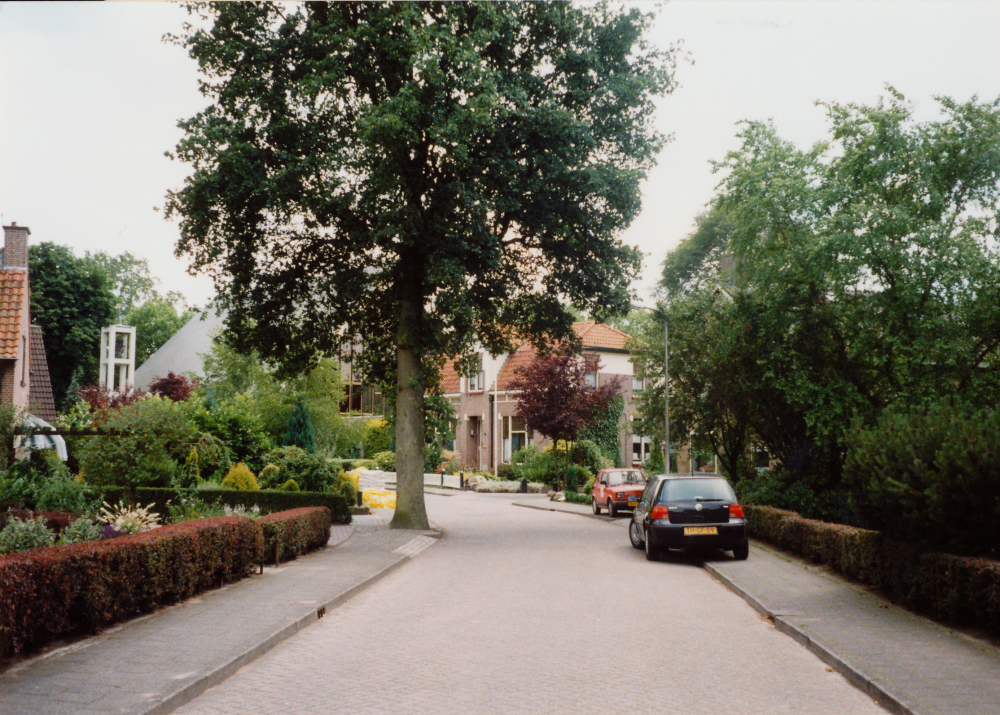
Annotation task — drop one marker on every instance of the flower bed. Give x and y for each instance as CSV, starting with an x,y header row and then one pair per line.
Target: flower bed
x,y
510,487
296,531
963,589
48,592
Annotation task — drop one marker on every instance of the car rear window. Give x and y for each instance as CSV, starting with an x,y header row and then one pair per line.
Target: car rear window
x,y
694,489
618,478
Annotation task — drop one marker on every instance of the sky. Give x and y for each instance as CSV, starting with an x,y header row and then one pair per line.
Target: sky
x,y
90,97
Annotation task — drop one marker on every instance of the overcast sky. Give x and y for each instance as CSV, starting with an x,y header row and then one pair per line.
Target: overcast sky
x,y
90,98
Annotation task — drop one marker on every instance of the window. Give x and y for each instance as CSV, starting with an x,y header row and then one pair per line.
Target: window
x,y
476,376
638,383
361,399
592,361
515,435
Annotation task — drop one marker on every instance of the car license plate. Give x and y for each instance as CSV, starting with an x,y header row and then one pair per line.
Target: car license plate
x,y
632,503
700,531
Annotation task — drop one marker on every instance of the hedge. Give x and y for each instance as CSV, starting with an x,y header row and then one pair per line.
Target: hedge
x,y
295,531
267,499
84,587
963,589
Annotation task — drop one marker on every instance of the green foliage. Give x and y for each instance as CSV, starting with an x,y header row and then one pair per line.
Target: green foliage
x,y
288,534
605,430
290,486
153,437
190,473
378,437
80,531
21,535
930,477
489,120
269,475
576,475
240,477
348,491
239,430
697,263
310,471
533,464
588,454
155,322
269,500
300,432
506,471
386,461
71,300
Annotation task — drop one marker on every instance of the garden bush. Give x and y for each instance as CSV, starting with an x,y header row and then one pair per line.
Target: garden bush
x,y
311,472
506,487
348,491
84,587
81,530
963,589
55,521
386,461
295,532
267,499
241,431
577,475
913,472
290,486
378,437
240,477
21,535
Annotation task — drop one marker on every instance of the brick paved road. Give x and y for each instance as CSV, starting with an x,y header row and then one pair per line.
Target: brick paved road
x,y
524,611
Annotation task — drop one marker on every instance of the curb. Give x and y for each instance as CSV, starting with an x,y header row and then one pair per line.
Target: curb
x,y
864,681
212,678
600,517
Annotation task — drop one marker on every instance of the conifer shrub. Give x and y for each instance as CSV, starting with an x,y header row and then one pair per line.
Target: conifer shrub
x,y
290,486
240,477
269,476
348,491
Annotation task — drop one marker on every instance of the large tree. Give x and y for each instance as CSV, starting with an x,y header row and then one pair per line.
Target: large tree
x,y
71,300
422,175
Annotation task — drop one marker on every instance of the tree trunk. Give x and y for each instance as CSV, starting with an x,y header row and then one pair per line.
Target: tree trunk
x,y
411,513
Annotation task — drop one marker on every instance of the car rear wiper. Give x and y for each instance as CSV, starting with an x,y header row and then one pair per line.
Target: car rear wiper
x,y
704,499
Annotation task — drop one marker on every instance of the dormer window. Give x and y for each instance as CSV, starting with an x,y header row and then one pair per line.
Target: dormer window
x,y
476,377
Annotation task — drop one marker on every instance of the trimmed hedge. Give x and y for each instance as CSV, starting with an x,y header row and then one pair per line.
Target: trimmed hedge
x,y
963,589
267,499
296,531
48,592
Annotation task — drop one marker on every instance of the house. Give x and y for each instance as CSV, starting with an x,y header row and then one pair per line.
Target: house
x,y
489,430
24,372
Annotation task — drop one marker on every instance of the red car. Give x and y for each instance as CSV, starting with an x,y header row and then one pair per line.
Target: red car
x,y
616,489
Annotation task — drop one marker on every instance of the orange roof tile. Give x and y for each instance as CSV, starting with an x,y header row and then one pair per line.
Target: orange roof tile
x,y
13,285
599,335
524,355
451,383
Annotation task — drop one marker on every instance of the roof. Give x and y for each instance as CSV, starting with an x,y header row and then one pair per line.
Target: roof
x,y
13,287
41,402
598,335
182,353
523,356
451,382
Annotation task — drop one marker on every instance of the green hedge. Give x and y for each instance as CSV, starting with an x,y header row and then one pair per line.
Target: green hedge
x,y
48,592
577,498
268,500
963,589
295,532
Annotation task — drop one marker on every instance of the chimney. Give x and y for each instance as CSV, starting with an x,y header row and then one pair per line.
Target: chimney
x,y
15,246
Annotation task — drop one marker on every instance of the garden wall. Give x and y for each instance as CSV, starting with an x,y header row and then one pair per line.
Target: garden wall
x,y
963,589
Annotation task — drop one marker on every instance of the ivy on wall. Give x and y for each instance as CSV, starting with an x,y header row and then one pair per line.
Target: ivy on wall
x,y
606,432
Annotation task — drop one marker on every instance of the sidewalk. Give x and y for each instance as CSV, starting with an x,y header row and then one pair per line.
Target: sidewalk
x,y
156,663
907,663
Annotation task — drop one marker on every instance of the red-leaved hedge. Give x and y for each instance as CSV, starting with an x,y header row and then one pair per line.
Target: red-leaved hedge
x,y
296,530
961,588
84,587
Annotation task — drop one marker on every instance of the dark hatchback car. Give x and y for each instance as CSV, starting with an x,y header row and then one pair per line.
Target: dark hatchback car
x,y
676,510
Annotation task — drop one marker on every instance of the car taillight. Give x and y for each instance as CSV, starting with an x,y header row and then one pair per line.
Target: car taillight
x,y
659,512
735,511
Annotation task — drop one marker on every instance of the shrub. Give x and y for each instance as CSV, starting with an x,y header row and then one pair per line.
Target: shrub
x,y
604,432
240,431
506,471
510,487
153,436
21,535
576,475
913,472
290,486
296,531
175,387
311,472
81,530
269,475
240,477
190,473
378,437
348,491
268,500
88,586
386,461
577,498
299,432
130,520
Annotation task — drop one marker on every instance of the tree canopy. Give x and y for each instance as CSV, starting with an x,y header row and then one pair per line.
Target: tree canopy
x,y
867,276
71,300
422,175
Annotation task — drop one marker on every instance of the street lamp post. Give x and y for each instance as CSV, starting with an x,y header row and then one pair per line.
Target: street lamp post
x,y
666,400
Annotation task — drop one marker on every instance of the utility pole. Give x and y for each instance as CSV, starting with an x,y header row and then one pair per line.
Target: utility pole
x,y
666,399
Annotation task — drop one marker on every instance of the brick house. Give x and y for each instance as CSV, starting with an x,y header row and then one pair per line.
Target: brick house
x,y
488,429
24,372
